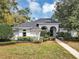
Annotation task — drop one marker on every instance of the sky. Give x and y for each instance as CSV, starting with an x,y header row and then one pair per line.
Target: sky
x,y
39,8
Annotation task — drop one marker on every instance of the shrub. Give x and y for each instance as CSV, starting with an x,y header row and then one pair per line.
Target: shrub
x,y
45,39
52,38
65,35
29,39
37,41
5,32
4,40
45,34
75,38
25,39
8,43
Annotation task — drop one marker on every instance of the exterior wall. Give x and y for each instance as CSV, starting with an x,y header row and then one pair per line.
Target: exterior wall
x,y
28,33
49,25
34,34
19,32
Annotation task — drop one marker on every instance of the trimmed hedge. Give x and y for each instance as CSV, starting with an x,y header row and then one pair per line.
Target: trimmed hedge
x,y
8,43
25,39
4,40
29,39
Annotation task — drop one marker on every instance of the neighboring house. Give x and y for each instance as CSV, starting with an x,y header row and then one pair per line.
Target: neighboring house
x,y
34,28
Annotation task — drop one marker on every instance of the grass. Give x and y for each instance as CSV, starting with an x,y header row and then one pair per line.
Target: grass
x,y
73,44
46,50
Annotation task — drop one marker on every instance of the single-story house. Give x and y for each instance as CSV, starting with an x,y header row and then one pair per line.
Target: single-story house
x,y
34,28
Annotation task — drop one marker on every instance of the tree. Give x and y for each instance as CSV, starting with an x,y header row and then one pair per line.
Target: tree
x,y
22,15
3,9
5,14
8,17
67,13
5,32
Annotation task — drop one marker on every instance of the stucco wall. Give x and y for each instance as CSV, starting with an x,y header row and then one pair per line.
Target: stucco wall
x,y
49,25
19,33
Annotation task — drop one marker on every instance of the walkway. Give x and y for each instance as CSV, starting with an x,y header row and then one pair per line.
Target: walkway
x,y
68,48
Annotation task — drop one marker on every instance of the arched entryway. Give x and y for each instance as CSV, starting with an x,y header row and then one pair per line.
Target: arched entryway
x,y
44,28
53,31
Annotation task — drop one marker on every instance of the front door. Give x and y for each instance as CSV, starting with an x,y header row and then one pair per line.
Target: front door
x,y
53,31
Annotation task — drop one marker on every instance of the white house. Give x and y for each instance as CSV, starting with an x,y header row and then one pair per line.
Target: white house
x,y
34,28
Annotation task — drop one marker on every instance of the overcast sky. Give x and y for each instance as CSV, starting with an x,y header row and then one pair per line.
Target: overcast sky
x,y
39,8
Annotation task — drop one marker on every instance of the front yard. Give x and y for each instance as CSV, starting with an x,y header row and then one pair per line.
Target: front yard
x,y
73,44
46,50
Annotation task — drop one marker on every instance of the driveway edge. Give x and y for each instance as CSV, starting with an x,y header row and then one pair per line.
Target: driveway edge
x,y
68,48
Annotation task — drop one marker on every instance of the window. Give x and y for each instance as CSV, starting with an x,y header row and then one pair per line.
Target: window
x,y
37,25
24,33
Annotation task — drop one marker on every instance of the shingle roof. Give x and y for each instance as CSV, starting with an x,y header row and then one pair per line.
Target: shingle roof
x,y
33,23
46,20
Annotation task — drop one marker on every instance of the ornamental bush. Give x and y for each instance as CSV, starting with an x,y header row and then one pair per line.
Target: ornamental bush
x,y
65,35
45,34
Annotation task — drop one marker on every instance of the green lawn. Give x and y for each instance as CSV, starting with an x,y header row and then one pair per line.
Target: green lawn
x,y
46,50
